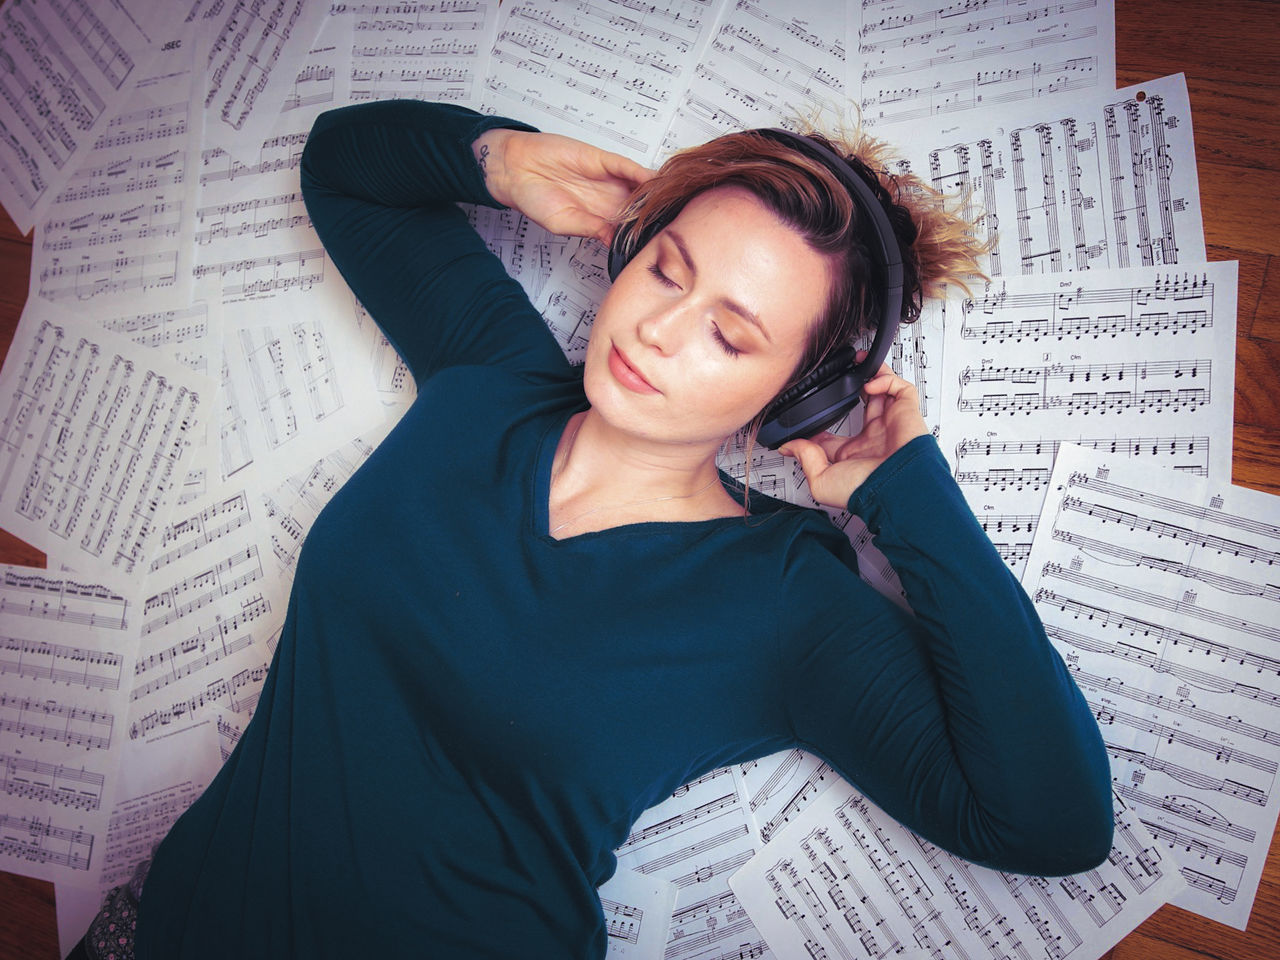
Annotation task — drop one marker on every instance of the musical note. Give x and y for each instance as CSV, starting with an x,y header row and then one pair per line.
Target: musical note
x,y
68,66
1163,600
425,52
1078,361
1072,190
844,878
248,67
602,67
64,660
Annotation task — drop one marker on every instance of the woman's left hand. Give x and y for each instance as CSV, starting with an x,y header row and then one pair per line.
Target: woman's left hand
x,y
836,466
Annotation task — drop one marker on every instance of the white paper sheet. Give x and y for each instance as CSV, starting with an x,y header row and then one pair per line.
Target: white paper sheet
x,y
156,783
1109,181
96,438
418,50
214,598
696,840
65,66
1138,362
767,65
637,911
254,53
1160,589
846,880
920,59
121,230
293,391
66,661
606,71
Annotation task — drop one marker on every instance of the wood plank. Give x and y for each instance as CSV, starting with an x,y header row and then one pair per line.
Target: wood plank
x,y
1256,452
1252,271
28,924
1266,321
1245,202
1226,50
1257,399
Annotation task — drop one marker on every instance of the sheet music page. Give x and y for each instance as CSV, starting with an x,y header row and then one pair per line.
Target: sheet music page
x,y
185,333
316,83
422,51
844,879
122,227
392,381
292,391
253,236
66,661
65,67
767,65
1136,362
97,433
637,911
923,58
605,71
215,600
528,252
150,796
782,784
696,839
292,507
1159,589
1109,181
253,59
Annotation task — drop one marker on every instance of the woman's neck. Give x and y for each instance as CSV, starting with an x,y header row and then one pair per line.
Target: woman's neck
x,y
602,477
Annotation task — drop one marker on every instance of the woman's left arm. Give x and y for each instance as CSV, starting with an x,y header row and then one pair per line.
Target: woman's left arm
x,y
961,721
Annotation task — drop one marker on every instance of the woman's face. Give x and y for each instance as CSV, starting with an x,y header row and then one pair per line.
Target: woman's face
x,y
706,324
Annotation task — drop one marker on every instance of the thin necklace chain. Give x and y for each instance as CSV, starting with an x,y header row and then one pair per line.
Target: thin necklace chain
x,y
617,506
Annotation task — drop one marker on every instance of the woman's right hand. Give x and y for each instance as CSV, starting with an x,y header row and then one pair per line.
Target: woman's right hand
x,y
567,186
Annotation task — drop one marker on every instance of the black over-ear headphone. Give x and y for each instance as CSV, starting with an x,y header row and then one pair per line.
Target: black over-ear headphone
x,y
832,389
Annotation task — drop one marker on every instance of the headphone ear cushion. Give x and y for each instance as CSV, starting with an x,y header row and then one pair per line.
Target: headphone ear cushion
x,y
839,362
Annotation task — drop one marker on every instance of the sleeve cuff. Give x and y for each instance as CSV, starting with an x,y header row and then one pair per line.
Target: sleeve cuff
x,y
911,471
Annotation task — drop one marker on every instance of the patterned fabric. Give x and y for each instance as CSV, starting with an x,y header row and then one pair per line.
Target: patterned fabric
x,y
112,932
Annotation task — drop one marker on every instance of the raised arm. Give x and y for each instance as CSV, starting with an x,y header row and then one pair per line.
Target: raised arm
x,y
961,721
381,181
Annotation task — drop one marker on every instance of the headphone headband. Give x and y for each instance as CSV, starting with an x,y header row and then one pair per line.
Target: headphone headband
x,y
832,390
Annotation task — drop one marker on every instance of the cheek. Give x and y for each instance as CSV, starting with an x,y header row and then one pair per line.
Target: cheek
x,y
740,386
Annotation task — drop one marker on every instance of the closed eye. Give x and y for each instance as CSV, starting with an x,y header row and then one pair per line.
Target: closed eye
x,y
729,348
661,277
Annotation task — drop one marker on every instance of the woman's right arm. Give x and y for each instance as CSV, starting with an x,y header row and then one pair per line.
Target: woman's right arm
x,y
381,181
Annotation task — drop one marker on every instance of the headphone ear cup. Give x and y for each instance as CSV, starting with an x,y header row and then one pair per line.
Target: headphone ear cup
x,y
815,403
840,361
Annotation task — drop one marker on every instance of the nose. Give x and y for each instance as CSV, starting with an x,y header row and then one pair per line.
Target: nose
x,y
663,328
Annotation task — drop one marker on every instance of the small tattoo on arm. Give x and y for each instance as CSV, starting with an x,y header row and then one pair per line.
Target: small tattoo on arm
x,y
483,161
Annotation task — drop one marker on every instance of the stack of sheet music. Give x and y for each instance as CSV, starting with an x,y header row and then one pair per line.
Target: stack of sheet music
x,y
1083,394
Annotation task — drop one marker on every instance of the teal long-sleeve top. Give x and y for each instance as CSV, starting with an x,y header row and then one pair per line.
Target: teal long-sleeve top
x,y
465,715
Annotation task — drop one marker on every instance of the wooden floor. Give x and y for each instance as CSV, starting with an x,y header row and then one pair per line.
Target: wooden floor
x,y
1230,52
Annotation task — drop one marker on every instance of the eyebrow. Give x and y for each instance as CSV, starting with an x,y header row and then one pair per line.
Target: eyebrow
x,y
749,315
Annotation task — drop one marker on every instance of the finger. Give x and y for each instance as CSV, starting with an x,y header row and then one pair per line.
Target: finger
x,y
874,408
623,168
829,442
811,456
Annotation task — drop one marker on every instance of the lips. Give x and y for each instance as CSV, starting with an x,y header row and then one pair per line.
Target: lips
x,y
627,375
